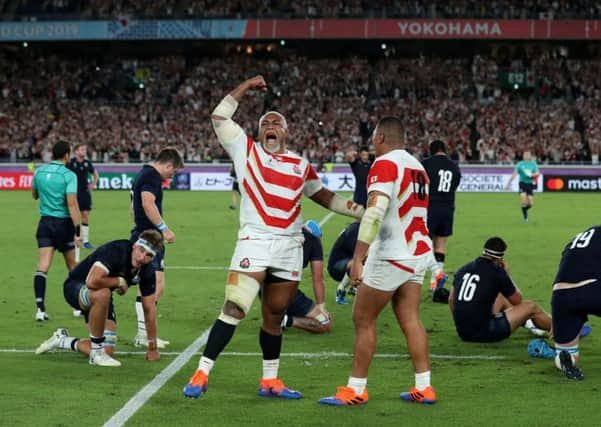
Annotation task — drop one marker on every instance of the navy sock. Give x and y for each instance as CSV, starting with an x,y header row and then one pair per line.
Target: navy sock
x,y
39,288
219,337
439,256
271,345
525,211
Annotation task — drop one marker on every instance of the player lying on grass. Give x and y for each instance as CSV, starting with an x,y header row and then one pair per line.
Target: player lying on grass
x,y
114,266
303,312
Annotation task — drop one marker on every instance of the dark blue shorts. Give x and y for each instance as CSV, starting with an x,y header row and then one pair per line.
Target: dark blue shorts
x,y
570,309
527,188
158,262
56,232
497,329
84,199
337,270
236,187
440,219
72,290
300,306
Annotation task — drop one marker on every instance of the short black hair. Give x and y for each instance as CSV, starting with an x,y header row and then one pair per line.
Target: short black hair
x,y
364,148
495,247
436,146
60,149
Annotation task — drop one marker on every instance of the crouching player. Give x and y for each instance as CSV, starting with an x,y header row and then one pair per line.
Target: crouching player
x,y
576,294
115,266
339,263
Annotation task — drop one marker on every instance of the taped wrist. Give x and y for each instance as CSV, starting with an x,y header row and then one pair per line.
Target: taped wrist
x,y
346,207
372,219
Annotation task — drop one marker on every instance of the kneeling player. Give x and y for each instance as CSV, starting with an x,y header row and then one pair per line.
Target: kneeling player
x,y
576,294
486,304
339,263
115,266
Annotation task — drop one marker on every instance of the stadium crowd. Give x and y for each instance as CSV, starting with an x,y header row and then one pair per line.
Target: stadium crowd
x,y
127,109
498,9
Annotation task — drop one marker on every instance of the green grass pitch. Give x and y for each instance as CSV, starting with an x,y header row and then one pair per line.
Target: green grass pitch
x,y
61,389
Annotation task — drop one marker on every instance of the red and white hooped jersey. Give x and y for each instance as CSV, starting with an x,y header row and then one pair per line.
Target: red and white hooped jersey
x,y
404,232
271,188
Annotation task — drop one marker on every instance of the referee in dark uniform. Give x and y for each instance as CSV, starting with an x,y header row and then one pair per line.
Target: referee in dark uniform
x,y
444,175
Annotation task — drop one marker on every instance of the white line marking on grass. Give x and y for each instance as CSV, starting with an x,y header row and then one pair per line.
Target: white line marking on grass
x,y
141,397
321,354
326,218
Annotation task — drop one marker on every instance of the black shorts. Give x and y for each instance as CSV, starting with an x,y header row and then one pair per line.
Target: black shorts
x,y
74,290
236,187
158,262
497,329
570,309
337,270
300,306
440,219
84,199
57,233
526,188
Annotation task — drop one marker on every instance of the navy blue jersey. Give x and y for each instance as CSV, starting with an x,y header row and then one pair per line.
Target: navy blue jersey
x,y
581,258
149,180
360,171
344,246
312,249
475,289
444,177
83,171
116,257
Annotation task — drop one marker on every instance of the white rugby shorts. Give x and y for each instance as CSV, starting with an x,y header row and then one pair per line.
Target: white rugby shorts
x,y
389,275
282,258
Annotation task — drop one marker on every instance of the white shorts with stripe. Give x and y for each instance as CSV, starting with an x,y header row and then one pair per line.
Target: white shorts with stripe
x,y
282,258
389,275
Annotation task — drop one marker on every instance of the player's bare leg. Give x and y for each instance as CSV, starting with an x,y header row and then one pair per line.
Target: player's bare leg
x,y
275,299
368,304
405,303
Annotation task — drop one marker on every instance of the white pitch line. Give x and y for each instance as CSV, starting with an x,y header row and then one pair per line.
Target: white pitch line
x,y
326,218
318,355
141,397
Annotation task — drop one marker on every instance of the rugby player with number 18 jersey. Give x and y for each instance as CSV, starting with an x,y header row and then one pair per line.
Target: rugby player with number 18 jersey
x,y
268,254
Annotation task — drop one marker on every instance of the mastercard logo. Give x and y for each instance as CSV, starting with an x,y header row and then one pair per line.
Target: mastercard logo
x,y
555,184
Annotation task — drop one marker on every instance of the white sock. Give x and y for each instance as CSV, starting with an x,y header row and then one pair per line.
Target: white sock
x,y
357,384
343,283
529,324
85,233
140,316
205,364
422,380
270,369
65,343
96,346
